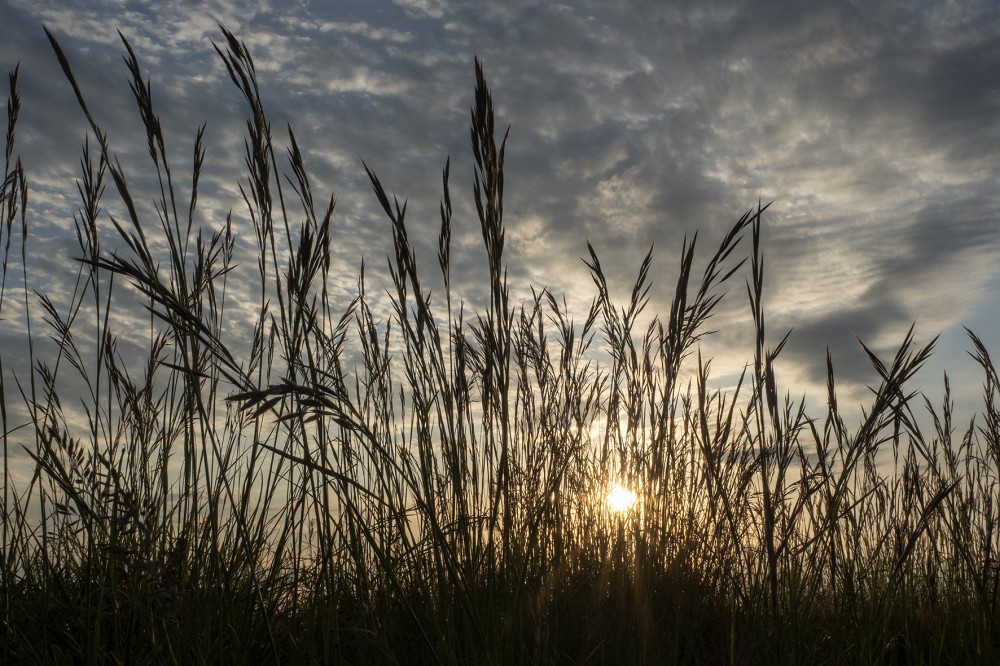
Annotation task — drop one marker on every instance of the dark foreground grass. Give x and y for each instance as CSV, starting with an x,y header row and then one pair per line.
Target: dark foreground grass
x,y
425,484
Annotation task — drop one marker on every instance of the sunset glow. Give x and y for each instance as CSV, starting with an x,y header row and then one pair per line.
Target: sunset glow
x,y
620,499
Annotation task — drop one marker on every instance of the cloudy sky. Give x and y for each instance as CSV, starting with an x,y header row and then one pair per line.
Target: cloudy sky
x,y
873,126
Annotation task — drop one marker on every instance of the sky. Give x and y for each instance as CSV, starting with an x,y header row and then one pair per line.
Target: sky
x,y
874,127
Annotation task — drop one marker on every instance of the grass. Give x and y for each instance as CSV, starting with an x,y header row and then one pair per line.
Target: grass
x,y
425,484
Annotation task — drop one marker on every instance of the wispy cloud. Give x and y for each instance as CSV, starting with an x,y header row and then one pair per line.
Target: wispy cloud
x,y
875,127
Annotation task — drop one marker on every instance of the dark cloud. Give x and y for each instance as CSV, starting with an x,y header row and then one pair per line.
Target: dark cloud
x,y
866,321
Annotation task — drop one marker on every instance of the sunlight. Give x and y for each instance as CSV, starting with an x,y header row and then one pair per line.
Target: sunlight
x,y
620,499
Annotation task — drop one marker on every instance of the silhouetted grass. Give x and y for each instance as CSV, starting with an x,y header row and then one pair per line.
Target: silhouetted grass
x,y
425,485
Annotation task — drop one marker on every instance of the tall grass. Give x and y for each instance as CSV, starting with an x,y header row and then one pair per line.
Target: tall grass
x,y
425,484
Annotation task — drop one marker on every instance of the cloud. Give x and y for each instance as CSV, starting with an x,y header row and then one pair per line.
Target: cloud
x,y
874,127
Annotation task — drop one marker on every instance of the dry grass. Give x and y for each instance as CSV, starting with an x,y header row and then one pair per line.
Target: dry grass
x,y
425,487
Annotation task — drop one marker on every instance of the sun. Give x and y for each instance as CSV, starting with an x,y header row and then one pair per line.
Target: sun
x,y
620,499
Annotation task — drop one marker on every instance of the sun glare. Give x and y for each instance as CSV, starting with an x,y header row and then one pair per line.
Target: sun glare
x,y
620,499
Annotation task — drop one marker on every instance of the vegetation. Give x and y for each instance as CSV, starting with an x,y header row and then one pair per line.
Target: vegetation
x,y
426,484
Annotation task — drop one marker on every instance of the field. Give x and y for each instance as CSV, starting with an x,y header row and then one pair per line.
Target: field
x,y
426,482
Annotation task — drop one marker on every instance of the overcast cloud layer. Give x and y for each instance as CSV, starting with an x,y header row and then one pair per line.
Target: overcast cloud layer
x,y
875,130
